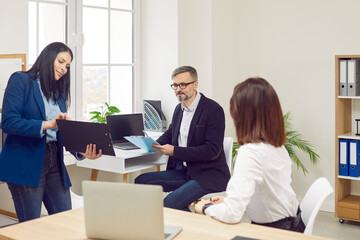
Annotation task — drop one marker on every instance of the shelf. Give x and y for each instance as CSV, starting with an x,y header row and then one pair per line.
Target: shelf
x,y
347,206
349,97
349,178
350,135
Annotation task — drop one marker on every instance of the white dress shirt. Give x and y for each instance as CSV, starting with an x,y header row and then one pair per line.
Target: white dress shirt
x,y
188,114
260,186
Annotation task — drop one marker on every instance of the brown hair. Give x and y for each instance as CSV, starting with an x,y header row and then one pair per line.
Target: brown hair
x,y
257,114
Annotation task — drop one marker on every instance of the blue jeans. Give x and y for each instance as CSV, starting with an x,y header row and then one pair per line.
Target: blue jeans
x,y
183,190
28,199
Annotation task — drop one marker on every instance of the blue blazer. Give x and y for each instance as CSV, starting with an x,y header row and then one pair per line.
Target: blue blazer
x,y
204,155
23,152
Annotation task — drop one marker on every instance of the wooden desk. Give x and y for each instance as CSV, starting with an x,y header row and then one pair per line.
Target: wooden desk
x,y
124,162
70,225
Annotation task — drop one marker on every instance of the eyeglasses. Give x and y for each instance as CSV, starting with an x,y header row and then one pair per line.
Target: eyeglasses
x,y
181,85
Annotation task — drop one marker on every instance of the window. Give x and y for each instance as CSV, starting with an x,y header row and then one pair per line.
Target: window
x,y
108,64
47,23
101,34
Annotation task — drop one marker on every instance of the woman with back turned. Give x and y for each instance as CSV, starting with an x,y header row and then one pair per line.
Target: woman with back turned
x,y
261,181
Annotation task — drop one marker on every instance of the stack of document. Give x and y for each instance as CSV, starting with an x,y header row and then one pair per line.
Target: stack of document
x,y
143,142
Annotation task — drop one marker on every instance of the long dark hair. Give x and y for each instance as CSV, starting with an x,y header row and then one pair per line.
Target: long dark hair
x,y
256,111
44,67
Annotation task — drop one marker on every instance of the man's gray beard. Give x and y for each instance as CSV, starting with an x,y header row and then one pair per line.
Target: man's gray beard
x,y
182,100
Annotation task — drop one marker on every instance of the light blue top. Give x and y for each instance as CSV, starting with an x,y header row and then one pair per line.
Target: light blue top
x,y
52,109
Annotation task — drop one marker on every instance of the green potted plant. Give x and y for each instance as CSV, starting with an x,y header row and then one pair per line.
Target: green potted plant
x,y
101,116
294,142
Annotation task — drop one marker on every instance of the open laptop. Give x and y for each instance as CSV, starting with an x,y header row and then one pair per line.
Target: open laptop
x,y
125,211
124,125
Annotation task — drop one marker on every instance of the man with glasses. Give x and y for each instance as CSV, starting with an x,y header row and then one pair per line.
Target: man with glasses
x,y
194,144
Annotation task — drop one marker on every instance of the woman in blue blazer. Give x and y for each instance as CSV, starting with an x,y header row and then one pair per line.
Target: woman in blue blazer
x,y
31,161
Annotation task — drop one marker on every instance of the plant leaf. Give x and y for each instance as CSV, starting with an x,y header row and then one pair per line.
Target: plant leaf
x,y
109,113
95,112
100,117
113,109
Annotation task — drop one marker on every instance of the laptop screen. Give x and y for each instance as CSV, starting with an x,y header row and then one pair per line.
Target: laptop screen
x,y
123,125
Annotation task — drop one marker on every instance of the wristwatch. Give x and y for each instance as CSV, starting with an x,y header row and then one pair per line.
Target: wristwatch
x,y
205,207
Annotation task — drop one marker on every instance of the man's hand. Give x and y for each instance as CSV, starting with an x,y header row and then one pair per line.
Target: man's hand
x,y
164,149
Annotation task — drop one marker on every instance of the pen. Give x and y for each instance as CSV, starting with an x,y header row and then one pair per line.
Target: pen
x,y
146,135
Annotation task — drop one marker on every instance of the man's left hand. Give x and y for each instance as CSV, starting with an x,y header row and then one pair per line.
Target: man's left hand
x,y
164,149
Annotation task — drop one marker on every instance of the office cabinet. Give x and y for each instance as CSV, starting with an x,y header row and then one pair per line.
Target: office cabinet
x,y
346,205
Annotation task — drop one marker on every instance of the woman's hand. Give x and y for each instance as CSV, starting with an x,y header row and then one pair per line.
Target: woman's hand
x,y
217,199
91,152
52,123
199,205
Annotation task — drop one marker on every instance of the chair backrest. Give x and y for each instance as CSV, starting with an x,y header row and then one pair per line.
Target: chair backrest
x,y
312,202
77,201
228,147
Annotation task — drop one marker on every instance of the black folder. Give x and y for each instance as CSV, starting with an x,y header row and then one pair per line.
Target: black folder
x,y
76,135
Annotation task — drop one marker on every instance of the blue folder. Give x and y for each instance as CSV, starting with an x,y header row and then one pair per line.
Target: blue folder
x,y
343,157
354,170
143,142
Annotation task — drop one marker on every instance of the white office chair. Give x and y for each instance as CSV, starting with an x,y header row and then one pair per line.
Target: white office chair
x,y
312,201
77,201
228,147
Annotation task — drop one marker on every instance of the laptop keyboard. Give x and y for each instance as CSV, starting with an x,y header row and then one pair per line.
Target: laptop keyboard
x,y
125,145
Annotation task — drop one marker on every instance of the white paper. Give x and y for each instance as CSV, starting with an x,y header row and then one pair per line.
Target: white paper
x,y
343,71
351,71
353,153
342,152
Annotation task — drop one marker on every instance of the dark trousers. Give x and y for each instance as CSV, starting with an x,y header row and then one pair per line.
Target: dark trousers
x,y
183,191
295,224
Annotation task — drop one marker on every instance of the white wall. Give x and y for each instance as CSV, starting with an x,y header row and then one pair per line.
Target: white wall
x,y
13,26
159,52
195,40
14,35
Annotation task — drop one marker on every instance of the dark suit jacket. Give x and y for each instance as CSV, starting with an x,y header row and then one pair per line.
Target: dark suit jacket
x,y
204,155
23,112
